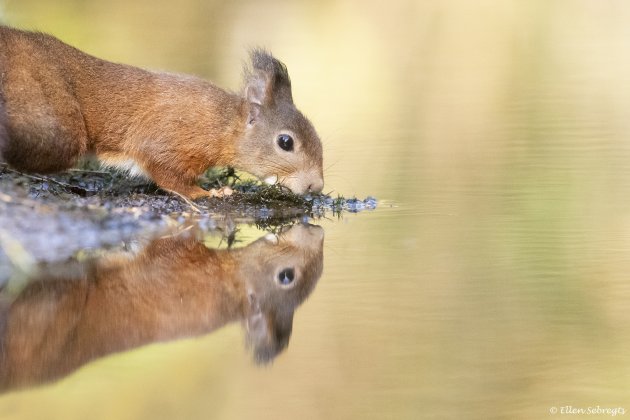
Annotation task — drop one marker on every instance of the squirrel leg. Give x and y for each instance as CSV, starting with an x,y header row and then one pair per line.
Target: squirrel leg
x,y
192,192
200,192
185,186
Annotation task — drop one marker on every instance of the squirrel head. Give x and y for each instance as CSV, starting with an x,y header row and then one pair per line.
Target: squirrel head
x,y
279,144
281,271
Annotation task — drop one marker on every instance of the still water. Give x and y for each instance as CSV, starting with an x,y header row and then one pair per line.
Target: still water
x,y
491,282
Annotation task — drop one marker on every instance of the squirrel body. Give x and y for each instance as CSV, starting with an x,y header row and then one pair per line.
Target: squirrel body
x,y
58,104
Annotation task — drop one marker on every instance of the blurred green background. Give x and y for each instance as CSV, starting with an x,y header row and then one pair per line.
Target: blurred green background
x,y
492,281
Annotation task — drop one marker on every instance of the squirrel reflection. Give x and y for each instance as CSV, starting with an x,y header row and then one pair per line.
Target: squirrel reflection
x,y
175,287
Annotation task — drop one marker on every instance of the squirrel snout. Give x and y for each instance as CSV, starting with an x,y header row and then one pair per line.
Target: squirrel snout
x,y
316,186
304,183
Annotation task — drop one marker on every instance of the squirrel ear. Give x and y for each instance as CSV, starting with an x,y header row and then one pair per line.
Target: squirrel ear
x,y
268,82
256,89
267,333
253,111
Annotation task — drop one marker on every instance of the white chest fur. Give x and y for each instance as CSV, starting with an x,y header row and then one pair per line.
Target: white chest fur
x,y
125,164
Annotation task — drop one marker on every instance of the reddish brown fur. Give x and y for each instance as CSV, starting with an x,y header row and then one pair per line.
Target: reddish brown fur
x,y
61,103
175,287
4,138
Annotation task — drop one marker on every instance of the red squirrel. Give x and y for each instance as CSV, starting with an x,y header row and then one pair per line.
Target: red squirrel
x,y
58,104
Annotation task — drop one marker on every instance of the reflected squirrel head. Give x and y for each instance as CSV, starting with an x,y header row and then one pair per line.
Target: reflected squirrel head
x,y
281,275
279,144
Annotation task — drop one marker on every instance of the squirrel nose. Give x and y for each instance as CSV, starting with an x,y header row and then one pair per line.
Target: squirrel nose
x,y
316,186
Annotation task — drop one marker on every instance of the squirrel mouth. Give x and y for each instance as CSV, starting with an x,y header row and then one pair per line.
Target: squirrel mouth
x,y
271,180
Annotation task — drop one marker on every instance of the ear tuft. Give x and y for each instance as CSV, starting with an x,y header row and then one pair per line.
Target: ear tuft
x,y
267,81
263,61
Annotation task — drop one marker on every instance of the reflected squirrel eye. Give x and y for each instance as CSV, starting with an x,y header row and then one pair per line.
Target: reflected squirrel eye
x,y
286,276
285,142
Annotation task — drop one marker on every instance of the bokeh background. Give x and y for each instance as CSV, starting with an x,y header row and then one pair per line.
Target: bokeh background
x,y
492,282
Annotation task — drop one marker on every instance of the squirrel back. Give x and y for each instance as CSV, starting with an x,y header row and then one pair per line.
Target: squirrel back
x,y
62,103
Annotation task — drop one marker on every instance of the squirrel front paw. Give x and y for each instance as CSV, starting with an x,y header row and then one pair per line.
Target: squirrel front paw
x,y
220,192
195,192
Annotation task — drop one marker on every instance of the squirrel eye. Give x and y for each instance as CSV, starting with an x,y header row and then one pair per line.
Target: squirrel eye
x,y
285,142
286,276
